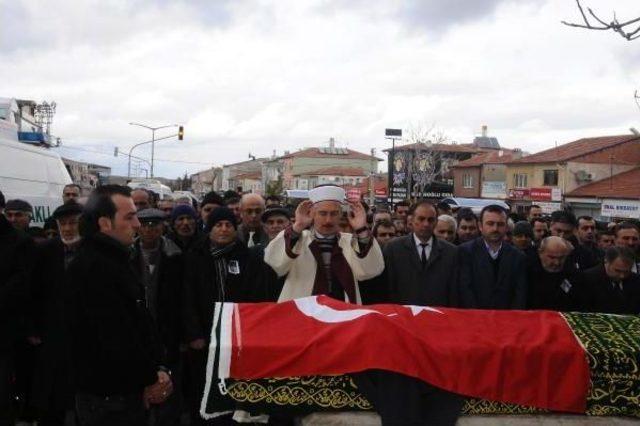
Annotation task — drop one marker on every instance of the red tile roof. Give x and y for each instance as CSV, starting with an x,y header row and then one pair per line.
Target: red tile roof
x,y
335,171
575,149
325,153
622,185
491,157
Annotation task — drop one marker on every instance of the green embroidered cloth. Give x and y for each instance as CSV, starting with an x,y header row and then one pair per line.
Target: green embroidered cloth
x,y
612,343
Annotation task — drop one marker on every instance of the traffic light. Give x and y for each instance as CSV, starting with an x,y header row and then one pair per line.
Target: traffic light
x,y
180,133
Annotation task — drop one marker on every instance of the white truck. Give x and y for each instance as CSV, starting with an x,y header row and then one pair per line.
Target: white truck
x,y
29,171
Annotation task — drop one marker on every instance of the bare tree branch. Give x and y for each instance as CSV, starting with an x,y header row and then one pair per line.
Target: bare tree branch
x,y
615,25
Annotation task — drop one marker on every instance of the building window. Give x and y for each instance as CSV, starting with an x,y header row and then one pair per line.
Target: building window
x,y
520,180
550,177
467,181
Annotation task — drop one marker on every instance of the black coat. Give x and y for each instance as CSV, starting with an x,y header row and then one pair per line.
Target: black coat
x,y
51,382
555,291
267,285
115,346
601,296
481,287
583,257
409,284
168,318
202,288
17,253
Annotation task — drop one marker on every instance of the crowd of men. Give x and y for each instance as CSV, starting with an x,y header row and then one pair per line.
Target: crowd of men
x,y
106,312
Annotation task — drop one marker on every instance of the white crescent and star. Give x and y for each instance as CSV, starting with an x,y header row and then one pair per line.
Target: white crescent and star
x,y
310,307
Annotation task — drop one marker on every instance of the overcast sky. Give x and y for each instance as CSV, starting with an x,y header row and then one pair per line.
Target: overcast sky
x,y
256,76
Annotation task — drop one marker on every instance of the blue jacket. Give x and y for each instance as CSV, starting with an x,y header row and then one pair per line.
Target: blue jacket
x,y
483,286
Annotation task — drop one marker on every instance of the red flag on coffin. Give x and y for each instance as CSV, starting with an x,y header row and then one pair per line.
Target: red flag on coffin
x,y
527,358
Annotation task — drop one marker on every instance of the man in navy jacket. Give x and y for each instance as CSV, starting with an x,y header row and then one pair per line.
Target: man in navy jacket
x,y
492,272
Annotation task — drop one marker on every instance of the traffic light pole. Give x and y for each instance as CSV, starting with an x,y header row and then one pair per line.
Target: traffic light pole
x,y
143,143
153,141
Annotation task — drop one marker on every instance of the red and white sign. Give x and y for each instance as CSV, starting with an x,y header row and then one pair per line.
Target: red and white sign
x,y
545,194
518,194
530,358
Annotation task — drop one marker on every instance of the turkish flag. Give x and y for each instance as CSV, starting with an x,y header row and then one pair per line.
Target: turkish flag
x,y
528,358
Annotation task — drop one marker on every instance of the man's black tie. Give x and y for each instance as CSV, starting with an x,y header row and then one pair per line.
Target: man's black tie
x,y
423,255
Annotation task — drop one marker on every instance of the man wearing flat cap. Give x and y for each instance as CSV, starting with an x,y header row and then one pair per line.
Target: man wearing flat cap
x,y
19,214
322,260
51,391
16,254
275,219
158,263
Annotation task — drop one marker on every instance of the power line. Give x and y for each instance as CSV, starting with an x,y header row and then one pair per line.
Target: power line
x,y
156,159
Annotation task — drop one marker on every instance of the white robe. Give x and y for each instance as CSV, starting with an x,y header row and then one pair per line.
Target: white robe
x,y
301,270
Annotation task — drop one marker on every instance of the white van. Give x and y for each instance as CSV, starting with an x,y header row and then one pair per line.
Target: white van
x,y
152,185
29,172
33,174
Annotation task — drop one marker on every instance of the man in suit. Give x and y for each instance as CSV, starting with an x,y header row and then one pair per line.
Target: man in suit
x,y
250,230
492,272
421,269
611,287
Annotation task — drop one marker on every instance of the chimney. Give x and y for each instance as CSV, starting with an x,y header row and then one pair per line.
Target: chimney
x,y
332,143
484,130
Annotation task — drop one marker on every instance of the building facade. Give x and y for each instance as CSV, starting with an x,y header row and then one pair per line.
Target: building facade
x,y
543,178
206,181
484,175
611,198
231,171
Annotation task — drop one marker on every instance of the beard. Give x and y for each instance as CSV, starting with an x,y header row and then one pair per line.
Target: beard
x,y
70,241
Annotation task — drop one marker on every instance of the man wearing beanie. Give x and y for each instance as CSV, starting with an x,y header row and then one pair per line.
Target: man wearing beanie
x,y
323,260
210,202
185,231
219,268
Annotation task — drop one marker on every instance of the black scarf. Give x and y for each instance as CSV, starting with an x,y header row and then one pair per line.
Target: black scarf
x,y
219,255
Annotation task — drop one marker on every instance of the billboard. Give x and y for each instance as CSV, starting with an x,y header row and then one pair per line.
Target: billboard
x,y
416,174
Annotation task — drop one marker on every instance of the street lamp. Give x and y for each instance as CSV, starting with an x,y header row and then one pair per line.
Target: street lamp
x,y
392,134
153,141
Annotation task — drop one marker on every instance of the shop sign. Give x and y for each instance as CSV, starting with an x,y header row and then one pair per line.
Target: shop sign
x,y
546,194
518,194
494,189
548,208
620,208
